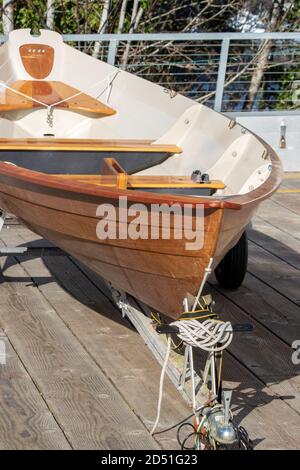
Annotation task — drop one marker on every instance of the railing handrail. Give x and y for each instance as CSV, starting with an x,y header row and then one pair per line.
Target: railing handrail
x,y
173,36
178,36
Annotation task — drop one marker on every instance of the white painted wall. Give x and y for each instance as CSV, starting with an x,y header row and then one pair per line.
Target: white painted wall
x,y
268,127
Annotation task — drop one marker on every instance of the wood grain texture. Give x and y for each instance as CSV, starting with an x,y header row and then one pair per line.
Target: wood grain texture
x,y
37,59
255,405
91,412
275,272
281,218
66,215
266,356
55,94
275,241
289,201
112,342
121,145
140,181
114,173
25,420
141,267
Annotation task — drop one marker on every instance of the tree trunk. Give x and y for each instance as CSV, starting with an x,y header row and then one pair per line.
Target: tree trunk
x,y
135,18
122,16
258,73
102,26
50,14
8,16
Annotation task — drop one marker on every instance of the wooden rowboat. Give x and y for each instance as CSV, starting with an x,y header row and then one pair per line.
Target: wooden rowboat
x,y
78,134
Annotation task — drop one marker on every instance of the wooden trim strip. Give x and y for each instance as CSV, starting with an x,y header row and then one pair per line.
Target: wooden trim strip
x,y
50,140
114,171
97,146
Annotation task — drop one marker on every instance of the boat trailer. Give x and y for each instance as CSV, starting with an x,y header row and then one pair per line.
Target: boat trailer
x,y
197,328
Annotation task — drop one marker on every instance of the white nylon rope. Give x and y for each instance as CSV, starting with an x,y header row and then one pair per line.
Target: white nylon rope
x,y
161,384
210,335
107,79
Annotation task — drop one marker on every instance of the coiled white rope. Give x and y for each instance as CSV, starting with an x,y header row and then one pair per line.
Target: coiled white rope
x,y
209,335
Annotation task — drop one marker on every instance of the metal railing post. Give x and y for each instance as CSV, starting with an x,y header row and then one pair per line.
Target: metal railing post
x,y
221,74
112,51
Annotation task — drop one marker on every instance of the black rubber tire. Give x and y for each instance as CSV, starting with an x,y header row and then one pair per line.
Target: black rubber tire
x,y
231,270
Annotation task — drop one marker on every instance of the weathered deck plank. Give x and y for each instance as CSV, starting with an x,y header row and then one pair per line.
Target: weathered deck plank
x,y
25,420
111,341
290,201
90,411
275,272
280,217
275,241
270,250
253,401
267,306
263,353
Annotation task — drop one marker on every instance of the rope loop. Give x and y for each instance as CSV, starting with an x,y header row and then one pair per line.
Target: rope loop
x,y
209,335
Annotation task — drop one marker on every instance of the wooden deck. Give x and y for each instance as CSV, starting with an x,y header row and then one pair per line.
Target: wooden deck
x,y
79,376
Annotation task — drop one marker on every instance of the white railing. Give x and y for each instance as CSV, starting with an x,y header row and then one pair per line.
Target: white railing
x,y
231,72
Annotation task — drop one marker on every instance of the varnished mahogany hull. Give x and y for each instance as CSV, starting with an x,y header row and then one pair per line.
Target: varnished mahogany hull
x,y
158,272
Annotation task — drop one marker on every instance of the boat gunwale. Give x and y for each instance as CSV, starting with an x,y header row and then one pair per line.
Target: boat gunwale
x,y
233,202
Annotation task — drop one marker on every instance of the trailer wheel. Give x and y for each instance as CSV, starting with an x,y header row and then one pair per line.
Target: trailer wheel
x,y
231,270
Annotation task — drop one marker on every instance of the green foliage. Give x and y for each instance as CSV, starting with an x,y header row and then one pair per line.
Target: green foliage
x,y
289,96
29,14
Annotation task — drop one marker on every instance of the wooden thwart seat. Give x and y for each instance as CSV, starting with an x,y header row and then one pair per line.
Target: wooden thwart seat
x,y
50,93
136,181
120,145
112,175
